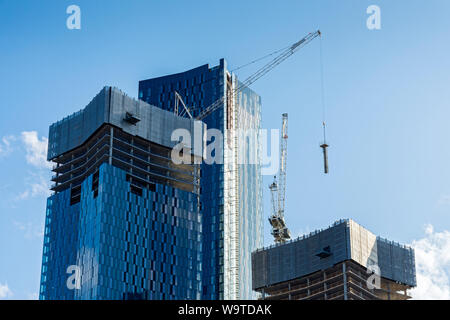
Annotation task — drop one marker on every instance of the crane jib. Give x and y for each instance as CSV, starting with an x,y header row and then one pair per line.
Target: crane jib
x,y
295,45
258,74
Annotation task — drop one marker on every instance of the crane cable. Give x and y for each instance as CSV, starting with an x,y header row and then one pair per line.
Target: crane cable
x,y
324,145
259,59
322,89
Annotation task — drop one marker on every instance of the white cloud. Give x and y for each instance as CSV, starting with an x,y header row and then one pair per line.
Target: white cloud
x,y
37,185
5,292
5,145
36,155
29,229
432,265
36,149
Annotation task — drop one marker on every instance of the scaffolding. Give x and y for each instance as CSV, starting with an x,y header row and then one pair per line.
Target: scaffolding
x,y
276,269
344,281
144,162
231,190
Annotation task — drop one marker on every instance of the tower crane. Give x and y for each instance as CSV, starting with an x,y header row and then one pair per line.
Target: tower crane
x,y
278,190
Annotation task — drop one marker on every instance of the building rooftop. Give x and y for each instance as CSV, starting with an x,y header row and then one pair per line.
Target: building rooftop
x,y
322,249
114,107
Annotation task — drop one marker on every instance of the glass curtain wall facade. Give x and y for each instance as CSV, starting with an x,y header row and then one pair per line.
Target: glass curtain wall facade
x,y
127,245
122,213
231,194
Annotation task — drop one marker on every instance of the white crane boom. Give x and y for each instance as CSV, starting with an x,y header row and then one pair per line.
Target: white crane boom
x,y
261,72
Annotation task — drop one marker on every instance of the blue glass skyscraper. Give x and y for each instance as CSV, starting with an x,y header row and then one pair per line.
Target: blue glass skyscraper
x,y
231,193
123,214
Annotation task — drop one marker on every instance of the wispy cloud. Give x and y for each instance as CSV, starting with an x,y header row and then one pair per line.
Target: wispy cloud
x,y
36,149
5,292
36,185
433,265
29,229
5,145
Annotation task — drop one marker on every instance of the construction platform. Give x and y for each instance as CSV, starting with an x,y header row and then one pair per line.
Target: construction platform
x,y
338,263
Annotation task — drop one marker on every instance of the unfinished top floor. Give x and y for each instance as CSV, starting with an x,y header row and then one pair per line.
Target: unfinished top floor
x,y
320,250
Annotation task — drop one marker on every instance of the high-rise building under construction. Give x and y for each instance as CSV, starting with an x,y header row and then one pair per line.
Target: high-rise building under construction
x,y
124,220
343,262
133,224
231,190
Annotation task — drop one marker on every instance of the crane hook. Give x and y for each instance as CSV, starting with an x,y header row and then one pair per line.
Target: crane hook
x,y
324,146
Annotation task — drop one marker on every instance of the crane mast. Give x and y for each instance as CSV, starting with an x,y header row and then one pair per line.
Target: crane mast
x,y
283,163
278,190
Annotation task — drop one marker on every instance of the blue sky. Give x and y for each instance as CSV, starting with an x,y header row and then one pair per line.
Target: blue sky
x,y
387,96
